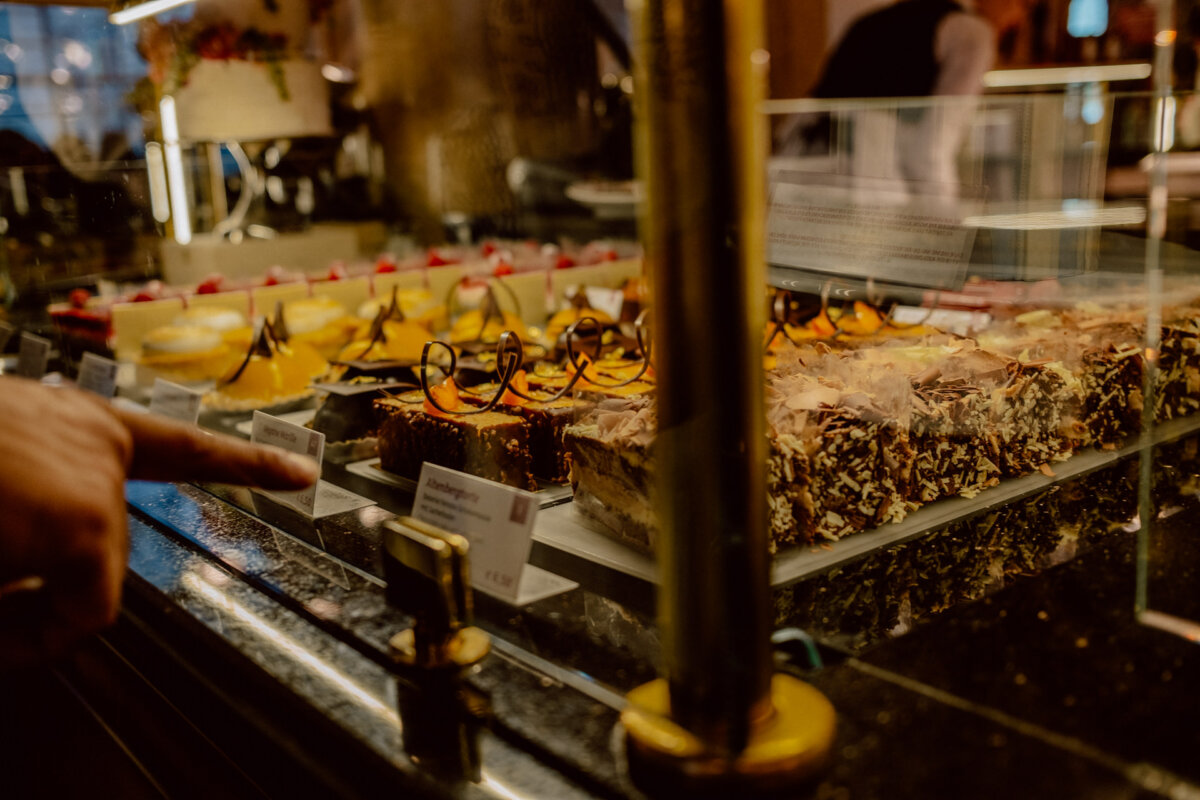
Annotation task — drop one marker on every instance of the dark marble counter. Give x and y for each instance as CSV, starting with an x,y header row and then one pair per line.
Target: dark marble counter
x,y
985,659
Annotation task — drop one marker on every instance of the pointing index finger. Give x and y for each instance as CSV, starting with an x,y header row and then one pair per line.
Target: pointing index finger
x,y
166,450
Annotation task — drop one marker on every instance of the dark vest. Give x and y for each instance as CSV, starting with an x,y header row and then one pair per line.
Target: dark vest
x,y
888,53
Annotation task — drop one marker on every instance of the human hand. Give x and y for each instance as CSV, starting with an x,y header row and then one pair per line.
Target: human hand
x,y
64,459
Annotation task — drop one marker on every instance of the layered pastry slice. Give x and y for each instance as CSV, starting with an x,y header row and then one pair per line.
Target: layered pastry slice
x,y
955,451
489,444
317,321
1177,385
187,352
270,374
1098,356
612,468
840,460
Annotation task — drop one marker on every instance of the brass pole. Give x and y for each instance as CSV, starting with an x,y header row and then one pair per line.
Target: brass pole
x,y
700,74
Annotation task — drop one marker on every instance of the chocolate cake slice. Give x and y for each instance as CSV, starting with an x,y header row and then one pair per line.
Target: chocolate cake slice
x,y
1177,386
547,423
490,444
546,420
839,460
954,449
954,453
1098,355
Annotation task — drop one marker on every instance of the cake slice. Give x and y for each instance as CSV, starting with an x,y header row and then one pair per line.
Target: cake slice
x,y
1178,381
1097,353
840,460
612,468
489,444
955,451
546,420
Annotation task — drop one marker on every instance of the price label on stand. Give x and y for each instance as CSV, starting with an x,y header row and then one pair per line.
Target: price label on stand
x,y
498,522
322,499
98,375
33,356
175,401
295,439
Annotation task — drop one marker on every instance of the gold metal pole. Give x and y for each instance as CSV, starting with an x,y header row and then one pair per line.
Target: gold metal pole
x,y
700,71
702,142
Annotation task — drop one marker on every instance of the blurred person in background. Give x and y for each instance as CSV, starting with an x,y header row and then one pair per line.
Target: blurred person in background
x,y
909,49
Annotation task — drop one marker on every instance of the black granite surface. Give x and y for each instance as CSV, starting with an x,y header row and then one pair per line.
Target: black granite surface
x,y
993,657
1064,651
893,742
324,672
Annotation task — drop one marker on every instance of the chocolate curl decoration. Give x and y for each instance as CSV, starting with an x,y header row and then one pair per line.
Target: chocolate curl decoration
x,y
889,322
643,341
511,296
489,309
511,352
260,345
644,335
505,379
377,333
573,330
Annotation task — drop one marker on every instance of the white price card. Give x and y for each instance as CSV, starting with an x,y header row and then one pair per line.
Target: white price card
x,y
33,356
98,375
322,499
498,522
266,429
177,402
6,332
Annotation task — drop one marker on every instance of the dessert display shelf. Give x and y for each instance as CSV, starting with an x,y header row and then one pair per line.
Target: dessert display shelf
x,y
568,531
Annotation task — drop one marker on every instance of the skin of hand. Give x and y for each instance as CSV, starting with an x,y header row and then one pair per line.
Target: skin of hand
x,y
64,458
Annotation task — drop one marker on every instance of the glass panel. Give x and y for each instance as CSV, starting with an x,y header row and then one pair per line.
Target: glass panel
x,y
960,295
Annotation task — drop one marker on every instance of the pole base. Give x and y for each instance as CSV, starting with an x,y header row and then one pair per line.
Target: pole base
x,y
788,749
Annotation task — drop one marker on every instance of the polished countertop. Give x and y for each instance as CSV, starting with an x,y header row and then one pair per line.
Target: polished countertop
x,y
983,659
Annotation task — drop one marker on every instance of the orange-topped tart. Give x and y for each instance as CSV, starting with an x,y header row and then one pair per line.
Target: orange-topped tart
x,y
271,373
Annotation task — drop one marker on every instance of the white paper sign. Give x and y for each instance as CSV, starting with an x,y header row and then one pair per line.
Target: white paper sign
x,y
332,499
98,375
175,401
33,356
496,519
266,429
6,332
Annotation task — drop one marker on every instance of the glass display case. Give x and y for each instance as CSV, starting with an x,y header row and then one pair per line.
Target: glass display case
x,y
919,400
